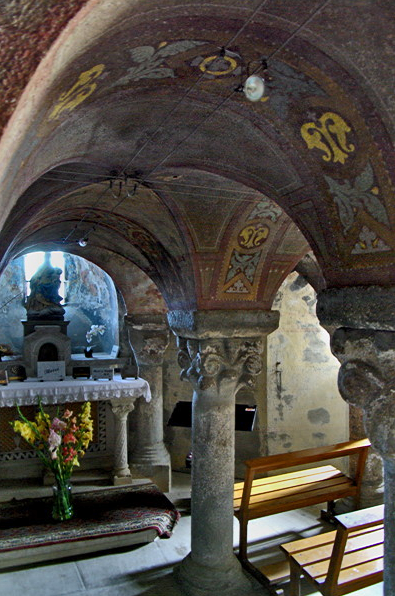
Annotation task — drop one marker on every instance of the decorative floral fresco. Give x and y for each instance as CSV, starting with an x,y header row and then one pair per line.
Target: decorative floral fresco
x,y
150,62
82,88
251,240
360,194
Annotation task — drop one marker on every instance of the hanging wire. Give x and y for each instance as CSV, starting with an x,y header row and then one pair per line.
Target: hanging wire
x,y
11,299
188,91
150,138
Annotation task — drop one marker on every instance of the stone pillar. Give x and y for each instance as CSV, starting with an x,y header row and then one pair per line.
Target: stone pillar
x,y
121,470
149,336
364,343
220,351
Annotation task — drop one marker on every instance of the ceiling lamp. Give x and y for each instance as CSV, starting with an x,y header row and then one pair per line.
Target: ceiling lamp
x,y
254,88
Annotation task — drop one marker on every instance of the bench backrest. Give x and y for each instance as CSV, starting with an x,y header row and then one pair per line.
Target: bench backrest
x,y
261,465
353,524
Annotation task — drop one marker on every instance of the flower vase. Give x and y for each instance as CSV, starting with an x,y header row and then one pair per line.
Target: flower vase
x,y
88,352
62,507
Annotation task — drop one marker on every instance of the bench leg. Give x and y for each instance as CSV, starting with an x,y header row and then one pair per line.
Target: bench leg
x,y
294,579
329,514
243,541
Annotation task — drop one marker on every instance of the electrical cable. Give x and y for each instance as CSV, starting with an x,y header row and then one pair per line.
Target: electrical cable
x,y
145,178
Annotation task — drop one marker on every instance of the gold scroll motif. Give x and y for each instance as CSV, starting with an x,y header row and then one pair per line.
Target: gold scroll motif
x,y
253,236
82,89
329,135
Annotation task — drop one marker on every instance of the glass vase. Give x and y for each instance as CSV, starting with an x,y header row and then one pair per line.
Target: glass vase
x,y
62,507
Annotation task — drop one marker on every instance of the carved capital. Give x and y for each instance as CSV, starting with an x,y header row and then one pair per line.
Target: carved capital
x,y
122,407
149,336
367,380
221,349
220,363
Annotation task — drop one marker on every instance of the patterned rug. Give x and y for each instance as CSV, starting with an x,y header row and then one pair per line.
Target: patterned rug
x,y
27,523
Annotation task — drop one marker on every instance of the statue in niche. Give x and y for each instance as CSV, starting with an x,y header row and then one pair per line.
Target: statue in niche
x,y
44,300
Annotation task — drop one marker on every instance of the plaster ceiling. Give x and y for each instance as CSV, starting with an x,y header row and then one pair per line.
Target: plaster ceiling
x,y
129,131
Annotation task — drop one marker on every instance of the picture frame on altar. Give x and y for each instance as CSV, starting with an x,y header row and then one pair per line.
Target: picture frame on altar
x,y
102,372
3,377
51,370
114,351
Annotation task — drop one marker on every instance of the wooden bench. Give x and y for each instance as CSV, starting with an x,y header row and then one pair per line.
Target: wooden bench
x,y
258,497
339,562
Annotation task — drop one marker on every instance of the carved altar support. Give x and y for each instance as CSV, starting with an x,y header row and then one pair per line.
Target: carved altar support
x,y
149,335
220,351
121,409
363,339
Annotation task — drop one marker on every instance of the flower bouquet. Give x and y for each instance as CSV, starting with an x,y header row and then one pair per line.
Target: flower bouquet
x,y
93,331
58,443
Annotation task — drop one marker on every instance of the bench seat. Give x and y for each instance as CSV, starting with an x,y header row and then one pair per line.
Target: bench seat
x,y
294,490
344,560
261,495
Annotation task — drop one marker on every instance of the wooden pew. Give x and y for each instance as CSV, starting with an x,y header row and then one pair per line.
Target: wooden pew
x,y
339,562
258,497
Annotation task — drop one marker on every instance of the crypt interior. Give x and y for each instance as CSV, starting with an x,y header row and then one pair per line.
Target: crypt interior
x,y
239,250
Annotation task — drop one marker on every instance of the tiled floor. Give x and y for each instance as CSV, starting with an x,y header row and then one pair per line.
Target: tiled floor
x,y
147,570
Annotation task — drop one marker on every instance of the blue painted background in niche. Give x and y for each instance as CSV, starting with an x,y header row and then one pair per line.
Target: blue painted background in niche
x,y
90,299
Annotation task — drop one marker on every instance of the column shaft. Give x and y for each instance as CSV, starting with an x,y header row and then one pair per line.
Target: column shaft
x,y
149,336
389,535
121,471
219,353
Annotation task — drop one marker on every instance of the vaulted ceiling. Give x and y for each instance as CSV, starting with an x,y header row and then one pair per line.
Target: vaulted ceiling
x,y
123,124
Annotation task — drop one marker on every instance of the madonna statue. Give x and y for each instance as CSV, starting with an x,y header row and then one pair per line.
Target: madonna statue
x,y
44,300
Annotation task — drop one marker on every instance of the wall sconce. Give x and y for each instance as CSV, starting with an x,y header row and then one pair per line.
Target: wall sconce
x,y
278,377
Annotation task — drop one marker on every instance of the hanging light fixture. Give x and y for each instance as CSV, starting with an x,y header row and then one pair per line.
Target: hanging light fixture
x,y
254,88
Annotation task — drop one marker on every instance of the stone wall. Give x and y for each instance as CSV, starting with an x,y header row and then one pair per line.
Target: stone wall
x,y
304,407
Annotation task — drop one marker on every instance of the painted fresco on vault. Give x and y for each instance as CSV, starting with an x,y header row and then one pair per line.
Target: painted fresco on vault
x,y
150,62
328,135
82,88
357,185
242,265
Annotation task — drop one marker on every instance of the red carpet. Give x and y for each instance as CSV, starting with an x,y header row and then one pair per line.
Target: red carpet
x,y
27,523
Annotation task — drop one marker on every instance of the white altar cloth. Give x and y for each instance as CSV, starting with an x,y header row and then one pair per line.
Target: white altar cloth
x,y
26,393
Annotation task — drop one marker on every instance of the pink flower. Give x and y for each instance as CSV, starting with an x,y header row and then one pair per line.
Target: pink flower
x,y
54,440
67,414
69,438
58,425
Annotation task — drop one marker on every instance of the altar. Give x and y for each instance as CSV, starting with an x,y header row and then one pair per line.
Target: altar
x,y
121,394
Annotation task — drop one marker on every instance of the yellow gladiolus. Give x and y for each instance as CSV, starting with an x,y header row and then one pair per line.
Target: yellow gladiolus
x,y
25,430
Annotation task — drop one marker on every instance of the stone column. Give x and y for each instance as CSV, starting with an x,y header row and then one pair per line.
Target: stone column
x,y
364,343
121,470
149,336
220,351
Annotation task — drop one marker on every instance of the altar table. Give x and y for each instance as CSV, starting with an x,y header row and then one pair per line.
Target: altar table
x,y
121,393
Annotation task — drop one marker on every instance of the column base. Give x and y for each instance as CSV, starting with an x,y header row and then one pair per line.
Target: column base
x,y
159,474
199,580
122,476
